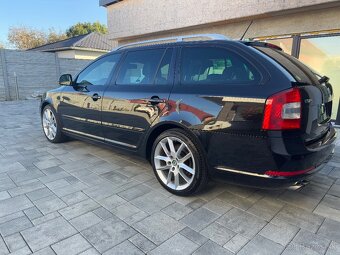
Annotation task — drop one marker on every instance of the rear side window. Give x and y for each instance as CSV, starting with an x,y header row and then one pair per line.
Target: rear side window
x,y
140,67
298,70
210,65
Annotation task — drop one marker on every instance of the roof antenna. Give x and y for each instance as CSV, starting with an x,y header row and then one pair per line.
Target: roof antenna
x,y
251,22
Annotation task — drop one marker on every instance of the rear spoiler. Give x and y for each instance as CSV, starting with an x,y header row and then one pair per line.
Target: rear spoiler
x,y
263,44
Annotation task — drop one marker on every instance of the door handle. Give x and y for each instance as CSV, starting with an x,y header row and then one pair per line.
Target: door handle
x,y
156,100
95,97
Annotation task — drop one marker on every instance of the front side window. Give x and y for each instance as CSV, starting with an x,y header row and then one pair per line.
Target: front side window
x,y
140,67
98,72
209,65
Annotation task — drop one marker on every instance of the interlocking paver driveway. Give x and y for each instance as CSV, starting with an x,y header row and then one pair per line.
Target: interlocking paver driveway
x,y
77,198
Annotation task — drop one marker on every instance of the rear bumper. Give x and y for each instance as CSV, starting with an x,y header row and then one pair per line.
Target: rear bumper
x,y
278,168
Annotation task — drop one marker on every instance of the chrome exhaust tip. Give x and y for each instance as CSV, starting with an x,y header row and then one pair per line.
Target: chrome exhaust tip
x,y
298,185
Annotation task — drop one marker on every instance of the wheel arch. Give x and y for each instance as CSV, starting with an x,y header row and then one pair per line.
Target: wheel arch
x,y
160,128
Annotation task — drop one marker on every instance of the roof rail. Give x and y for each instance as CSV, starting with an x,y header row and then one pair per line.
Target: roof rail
x,y
176,39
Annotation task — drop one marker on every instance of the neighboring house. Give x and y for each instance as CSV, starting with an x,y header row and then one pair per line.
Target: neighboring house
x,y
88,46
306,29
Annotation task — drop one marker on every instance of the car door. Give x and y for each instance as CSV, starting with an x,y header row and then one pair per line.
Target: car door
x,y
137,97
80,107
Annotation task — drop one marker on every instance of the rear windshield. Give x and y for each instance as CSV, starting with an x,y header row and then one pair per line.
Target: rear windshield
x,y
297,69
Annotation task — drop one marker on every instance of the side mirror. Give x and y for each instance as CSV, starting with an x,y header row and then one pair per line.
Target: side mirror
x,y
65,80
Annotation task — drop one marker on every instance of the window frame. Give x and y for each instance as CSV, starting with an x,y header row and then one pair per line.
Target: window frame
x,y
232,49
153,84
94,62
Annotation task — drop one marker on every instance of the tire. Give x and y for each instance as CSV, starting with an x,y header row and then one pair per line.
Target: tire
x,y
51,125
179,162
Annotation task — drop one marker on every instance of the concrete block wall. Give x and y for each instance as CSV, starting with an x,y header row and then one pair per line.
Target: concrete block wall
x,y
32,72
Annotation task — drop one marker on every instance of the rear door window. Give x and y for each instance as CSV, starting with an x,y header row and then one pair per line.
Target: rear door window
x,y
212,65
140,67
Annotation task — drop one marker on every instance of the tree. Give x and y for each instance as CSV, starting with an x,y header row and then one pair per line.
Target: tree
x,y
23,37
1,45
85,28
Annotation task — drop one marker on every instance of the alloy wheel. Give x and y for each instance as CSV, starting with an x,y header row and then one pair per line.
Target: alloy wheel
x,y
49,124
174,163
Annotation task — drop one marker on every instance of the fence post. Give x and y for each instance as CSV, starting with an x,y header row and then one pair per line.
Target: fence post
x,y
5,75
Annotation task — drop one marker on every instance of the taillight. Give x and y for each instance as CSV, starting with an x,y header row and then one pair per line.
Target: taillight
x,y
283,111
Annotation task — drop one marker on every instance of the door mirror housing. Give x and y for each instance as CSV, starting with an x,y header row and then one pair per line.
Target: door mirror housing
x,y
65,80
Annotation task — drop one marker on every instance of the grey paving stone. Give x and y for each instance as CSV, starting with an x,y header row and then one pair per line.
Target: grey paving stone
x,y
177,244
279,232
293,249
112,202
330,230
15,204
102,213
38,194
6,183
177,211
211,248
72,245
266,208
64,191
194,236
48,233
151,202
242,222
11,217
85,221
26,188
335,190
218,206
45,251
199,219
125,210
49,204
14,242
312,241
57,184
197,203
4,195
142,243
158,227
218,233
300,218
261,246
333,249
134,192
45,218
91,251
136,217
14,226
124,248
53,176
74,198
47,163
108,234
235,200
78,209
236,243
22,251
3,248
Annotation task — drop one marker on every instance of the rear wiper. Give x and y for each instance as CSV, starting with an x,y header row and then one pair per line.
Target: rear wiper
x,y
323,79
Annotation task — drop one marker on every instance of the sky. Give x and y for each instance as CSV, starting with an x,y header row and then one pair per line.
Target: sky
x,y
45,14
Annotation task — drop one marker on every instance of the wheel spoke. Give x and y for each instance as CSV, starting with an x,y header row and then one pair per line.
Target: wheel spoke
x,y
186,168
171,146
181,147
176,180
165,149
186,178
186,157
163,158
168,179
163,168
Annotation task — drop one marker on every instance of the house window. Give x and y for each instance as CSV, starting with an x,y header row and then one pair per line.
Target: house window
x,y
323,55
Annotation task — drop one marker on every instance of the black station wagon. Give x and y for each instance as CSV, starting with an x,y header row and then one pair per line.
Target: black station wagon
x,y
237,111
